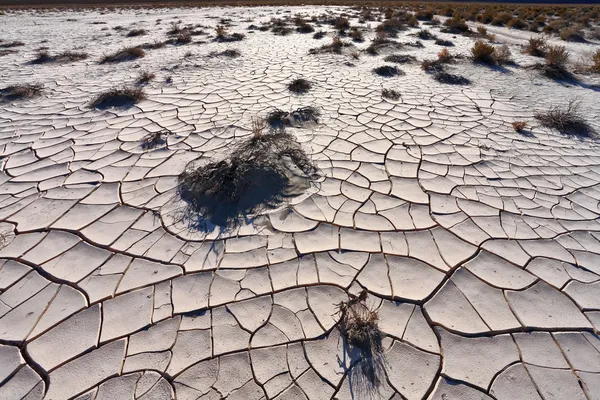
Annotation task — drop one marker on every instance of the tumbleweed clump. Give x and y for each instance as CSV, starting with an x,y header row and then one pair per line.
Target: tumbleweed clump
x,y
119,98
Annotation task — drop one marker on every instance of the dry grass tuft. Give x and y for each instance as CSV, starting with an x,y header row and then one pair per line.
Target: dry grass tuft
x,y
567,119
335,47
20,92
124,97
299,86
125,54
596,61
12,44
502,55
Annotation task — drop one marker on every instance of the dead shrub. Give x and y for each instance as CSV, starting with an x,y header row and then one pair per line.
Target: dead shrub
x,y
482,52
299,86
356,35
390,94
255,176
154,140
20,92
136,32
341,24
387,71
125,54
518,126
336,46
12,44
231,53
572,34
536,47
456,25
124,97
567,119
145,77
502,55
399,58
279,119
358,325
596,60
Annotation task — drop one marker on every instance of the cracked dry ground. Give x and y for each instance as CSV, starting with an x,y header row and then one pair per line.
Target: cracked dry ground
x,y
478,246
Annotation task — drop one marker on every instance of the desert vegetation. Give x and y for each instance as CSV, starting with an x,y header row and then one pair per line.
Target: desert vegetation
x,y
567,119
299,86
254,176
124,54
118,98
43,56
20,92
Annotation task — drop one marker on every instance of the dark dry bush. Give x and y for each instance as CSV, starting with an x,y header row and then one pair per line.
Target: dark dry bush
x,y
145,77
400,58
390,94
335,47
445,43
387,71
567,119
182,38
502,55
234,37
379,45
136,32
358,325
153,46
231,53
20,92
125,54
319,35
254,176
120,98
572,34
536,47
155,139
9,45
424,15
42,57
279,119
483,52
425,35
356,35
391,27
305,28
456,26
299,86
341,24
596,61
450,79
517,23
6,52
